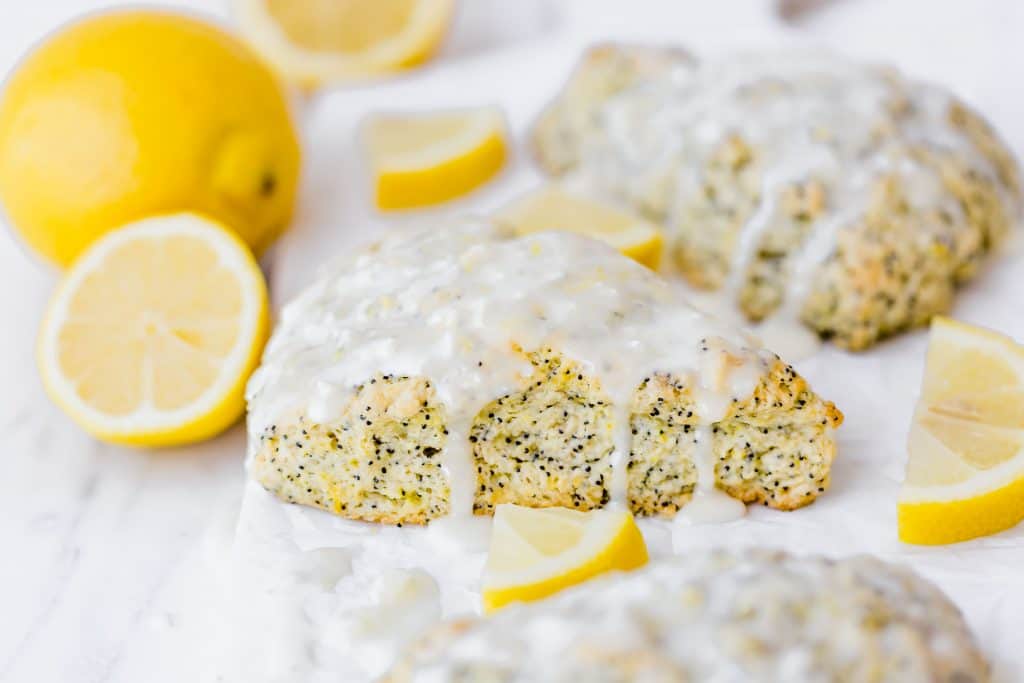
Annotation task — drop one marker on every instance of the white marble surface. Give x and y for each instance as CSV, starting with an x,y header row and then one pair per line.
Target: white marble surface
x,y
100,544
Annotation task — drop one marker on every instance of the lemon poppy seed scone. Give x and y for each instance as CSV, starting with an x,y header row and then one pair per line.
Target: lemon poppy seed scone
x,y
723,616
802,187
447,370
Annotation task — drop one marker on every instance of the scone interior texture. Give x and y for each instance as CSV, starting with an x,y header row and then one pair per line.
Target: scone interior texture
x,y
800,186
733,616
448,370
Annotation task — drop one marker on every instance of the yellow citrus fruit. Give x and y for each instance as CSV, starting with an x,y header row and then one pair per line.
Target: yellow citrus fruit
x,y
312,42
423,159
965,472
127,114
536,552
154,330
553,208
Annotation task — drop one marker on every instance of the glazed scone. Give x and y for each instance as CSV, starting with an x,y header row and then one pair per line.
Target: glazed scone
x,y
729,617
448,370
799,186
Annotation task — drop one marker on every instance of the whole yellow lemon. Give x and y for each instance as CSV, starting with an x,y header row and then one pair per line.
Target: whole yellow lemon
x,y
131,113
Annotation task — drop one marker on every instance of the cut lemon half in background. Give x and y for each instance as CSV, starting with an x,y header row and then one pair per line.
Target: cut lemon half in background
x,y
537,552
312,42
154,330
965,473
423,159
554,208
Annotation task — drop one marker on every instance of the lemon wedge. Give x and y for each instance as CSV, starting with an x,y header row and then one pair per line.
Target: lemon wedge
x,y
423,159
553,208
537,552
965,472
152,333
313,42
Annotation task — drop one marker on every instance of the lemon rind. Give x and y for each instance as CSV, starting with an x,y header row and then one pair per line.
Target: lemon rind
x,y
447,170
936,522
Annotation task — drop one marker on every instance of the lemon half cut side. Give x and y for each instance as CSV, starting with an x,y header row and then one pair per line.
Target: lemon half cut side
x,y
153,332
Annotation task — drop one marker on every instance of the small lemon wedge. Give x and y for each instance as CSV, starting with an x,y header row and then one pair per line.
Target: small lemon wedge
x,y
537,552
423,159
965,472
154,330
554,208
313,42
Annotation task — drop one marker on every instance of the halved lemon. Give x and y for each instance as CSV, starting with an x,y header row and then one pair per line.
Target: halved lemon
x,y
554,208
537,552
152,333
423,159
965,472
312,42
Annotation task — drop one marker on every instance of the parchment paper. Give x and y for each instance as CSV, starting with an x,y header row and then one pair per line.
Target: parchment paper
x,y
281,624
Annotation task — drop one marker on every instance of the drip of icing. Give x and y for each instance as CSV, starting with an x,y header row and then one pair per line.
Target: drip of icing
x,y
790,170
326,403
622,440
455,305
457,461
710,505
723,380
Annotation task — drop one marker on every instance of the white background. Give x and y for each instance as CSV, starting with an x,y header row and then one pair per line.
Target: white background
x,y
96,541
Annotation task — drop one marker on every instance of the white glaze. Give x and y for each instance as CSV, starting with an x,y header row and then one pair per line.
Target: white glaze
x,y
451,304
